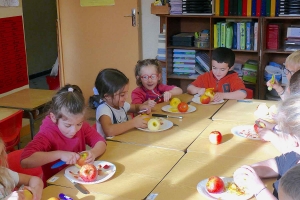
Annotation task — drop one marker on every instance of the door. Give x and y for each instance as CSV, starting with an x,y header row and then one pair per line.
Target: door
x,y
94,38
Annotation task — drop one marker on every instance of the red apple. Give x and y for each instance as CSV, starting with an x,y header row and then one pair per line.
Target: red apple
x,y
88,173
215,137
81,160
260,125
215,185
204,99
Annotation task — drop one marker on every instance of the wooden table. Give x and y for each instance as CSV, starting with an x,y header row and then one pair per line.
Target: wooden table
x,y
181,182
139,170
32,101
6,112
240,111
54,191
178,137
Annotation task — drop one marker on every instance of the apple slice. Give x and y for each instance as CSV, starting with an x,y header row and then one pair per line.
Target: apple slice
x,y
81,160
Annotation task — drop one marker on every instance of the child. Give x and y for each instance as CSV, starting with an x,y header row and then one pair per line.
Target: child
x,y
225,82
288,119
289,184
292,64
63,134
9,179
111,115
148,78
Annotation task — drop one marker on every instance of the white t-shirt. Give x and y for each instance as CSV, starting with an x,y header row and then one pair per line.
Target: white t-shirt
x,y
105,109
15,177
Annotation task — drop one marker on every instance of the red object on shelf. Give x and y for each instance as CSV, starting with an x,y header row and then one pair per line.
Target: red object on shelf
x,y
53,82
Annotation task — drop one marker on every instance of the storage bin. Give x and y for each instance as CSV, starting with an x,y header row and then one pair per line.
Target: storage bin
x,y
270,70
156,10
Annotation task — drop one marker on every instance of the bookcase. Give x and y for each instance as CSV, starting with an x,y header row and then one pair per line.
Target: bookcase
x,y
195,23
278,55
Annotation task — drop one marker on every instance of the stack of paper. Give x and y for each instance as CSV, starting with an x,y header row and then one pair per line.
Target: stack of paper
x,y
184,61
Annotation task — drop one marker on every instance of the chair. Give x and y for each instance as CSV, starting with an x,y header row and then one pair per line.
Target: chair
x,y
249,93
14,159
10,128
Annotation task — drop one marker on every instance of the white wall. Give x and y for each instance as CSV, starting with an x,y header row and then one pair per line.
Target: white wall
x,y
150,30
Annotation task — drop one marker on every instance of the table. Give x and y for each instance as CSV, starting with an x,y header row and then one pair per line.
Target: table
x,y
139,170
54,191
178,137
181,182
6,112
32,101
240,111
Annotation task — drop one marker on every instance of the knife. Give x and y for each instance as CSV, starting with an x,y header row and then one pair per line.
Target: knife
x,y
58,164
158,98
166,116
79,187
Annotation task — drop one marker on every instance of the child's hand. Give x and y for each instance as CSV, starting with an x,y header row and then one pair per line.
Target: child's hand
x,y
167,96
246,177
268,124
37,193
275,85
90,158
200,91
218,97
266,134
146,107
16,195
69,157
150,103
140,121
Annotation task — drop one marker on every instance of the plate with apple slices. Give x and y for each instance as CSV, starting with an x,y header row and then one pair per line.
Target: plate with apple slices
x,y
232,192
170,109
104,170
196,99
157,124
245,131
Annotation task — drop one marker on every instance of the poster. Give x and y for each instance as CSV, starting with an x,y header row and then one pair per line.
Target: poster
x,y
8,3
97,2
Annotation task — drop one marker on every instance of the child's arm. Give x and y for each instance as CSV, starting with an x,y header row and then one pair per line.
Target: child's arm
x,y
239,94
96,151
41,158
170,93
191,89
32,183
266,169
110,129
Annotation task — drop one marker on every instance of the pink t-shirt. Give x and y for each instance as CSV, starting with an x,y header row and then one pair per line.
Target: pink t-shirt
x,y
49,138
140,94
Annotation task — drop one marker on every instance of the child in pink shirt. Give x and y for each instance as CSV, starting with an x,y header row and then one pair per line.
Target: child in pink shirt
x,y
63,134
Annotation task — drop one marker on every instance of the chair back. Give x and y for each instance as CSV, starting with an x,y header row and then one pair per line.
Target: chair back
x,y
249,93
10,128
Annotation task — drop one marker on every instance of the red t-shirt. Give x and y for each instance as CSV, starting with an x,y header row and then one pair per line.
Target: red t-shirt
x,y
49,138
229,83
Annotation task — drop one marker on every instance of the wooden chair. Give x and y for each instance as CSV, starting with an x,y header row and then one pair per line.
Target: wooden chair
x,y
10,128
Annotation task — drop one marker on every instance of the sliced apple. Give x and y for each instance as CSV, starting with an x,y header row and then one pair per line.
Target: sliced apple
x,y
153,124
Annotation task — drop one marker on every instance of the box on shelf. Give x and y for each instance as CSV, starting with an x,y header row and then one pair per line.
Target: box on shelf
x,y
164,9
183,39
250,71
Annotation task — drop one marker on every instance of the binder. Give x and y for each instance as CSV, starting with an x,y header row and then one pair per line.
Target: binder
x,y
263,8
249,35
234,38
268,8
215,36
217,7
253,8
203,59
223,34
273,6
249,7
255,36
258,8
240,7
243,35
238,34
222,7
244,7
226,7
229,35
219,33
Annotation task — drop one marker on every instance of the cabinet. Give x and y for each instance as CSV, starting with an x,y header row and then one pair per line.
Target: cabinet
x,y
278,55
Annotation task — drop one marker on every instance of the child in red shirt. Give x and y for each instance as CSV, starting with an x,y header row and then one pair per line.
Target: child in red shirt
x,y
63,134
225,82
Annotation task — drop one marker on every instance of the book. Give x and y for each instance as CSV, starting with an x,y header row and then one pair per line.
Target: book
x,y
239,7
228,36
215,36
184,50
217,7
183,65
272,36
253,8
243,35
249,7
222,7
249,35
273,6
268,8
258,8
203,60
263,8
238,34
231,7
219,33
255,36
183,60
293,32
226,7
223,34
244,7
234,37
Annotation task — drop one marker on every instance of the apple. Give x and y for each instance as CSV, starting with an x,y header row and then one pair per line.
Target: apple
x,y
260,125
210,92
183,107
215,185
174,102
262,110
28,195
204,99
215,137
88,173
81,160
153,124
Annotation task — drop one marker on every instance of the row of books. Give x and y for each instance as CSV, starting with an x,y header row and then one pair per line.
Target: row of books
x,y
236,35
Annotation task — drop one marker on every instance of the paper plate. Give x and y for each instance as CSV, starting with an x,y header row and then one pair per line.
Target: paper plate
x,y
166,124
245,131
72,172
167,108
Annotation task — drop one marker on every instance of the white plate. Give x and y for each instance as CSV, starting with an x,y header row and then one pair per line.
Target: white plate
x,y
246,131
72,171
197,100
166,125
201,187
166,108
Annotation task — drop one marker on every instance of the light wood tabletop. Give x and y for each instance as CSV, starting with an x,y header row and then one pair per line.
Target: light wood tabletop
x,y
233,110
177,137
54,191
6,112
181,182
138,170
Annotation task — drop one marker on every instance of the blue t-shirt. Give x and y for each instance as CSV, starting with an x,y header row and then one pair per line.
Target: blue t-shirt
x,y
284,163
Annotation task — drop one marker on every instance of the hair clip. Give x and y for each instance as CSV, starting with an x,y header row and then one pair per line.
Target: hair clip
x,y
70,89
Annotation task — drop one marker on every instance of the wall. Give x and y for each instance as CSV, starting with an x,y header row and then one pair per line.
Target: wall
x,y
40,34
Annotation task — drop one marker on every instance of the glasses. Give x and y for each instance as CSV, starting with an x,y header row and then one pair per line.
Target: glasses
x,y
286,71
146,77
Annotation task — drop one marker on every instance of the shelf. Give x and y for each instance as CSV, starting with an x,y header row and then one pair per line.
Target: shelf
x,y
188,48
277,51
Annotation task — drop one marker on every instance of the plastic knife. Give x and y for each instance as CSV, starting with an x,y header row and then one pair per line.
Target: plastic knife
x,y
166,116
79,187
58,164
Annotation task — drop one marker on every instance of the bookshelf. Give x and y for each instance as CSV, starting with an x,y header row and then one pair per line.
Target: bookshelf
x,y
278,55
195,23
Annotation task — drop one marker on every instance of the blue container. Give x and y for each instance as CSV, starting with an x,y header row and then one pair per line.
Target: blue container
x,y
270,70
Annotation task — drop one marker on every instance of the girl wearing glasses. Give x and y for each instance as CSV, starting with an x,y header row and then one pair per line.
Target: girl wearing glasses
x,y
150,90
292,64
